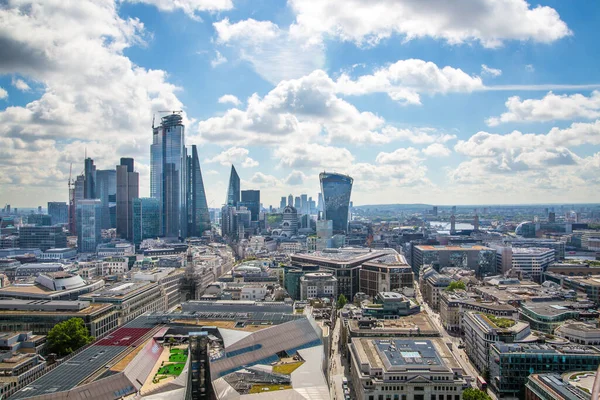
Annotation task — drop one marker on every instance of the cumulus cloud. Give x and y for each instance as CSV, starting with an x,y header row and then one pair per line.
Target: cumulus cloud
x,y
218,59
274,54
437,150
229,98
493,72
405,80
408,155
20,84
298,108
295,178
234,155
3,93
366,22
313,155
417,135
92,92
190,7
550,108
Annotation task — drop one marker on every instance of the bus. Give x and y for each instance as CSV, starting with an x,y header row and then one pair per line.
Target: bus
x,y
481,383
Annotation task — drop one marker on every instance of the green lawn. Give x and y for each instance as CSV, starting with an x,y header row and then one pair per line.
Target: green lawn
x,y
267,388
288,368
171,369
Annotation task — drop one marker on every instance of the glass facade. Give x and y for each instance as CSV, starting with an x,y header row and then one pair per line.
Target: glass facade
x,y
89,231
198,215
59,212
106,189
336,189
233,191
168,181
146,219
251,200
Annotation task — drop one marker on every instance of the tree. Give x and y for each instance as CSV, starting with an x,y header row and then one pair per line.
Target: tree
x,y
475,394
68,336
341,301
454,285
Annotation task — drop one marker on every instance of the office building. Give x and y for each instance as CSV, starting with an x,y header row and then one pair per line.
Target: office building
x,y
390,305
290,201
282,203
511,364
298,204
385,274
76,194
289,226
336,189
167,175
432,284
42,237
233,189
39,219
316,285
127,190
146,219
324,234
198,215
228,221
89,189
251,200
481,330
106,191
89,230
480,259
579,332
59,212
529,262
404,369
546,316
575,385
304,204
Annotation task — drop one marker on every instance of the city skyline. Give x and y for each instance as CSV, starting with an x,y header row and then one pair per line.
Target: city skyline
x,y
463,112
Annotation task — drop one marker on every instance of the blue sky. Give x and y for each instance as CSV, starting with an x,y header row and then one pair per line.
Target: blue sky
x,y
479,101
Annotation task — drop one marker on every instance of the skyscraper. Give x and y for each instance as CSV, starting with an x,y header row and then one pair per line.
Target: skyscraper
x,y
146,219
298,204
89,231
336,189
78,194
233,190
304,204
89,190
320,202
251,200
106,188
127,190
167,175
290,200
282,203
198,215
58,211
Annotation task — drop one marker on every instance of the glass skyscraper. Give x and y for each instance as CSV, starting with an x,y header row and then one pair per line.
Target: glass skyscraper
x,y
199,217
89,191
59,212
168,181
127,190
89,231
146,219
336,189
233,191
251,200
106,188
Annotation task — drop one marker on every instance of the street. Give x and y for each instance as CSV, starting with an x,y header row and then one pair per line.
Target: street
x,y
337,365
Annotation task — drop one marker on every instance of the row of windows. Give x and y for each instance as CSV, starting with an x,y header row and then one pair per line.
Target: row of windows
x,y
417,396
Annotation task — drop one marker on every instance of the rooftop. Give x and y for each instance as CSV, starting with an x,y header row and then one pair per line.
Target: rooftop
x,y
340,255
535,348
549,308
462,247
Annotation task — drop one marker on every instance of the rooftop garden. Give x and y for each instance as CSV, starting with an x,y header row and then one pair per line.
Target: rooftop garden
x,y
288,368
456,285
503,323
267,388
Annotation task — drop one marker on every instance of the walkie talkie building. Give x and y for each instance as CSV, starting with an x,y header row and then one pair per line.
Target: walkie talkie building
x,y
336,189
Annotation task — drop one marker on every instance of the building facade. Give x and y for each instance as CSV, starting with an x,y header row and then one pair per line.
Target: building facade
x,y
198,215
315,285
42,237
89,229
385,274
146,219
127,190
59,212
336,189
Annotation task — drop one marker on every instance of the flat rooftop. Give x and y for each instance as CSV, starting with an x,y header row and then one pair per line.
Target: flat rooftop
x,y
462,247
118,290
549,308
535,348
409,325
339,255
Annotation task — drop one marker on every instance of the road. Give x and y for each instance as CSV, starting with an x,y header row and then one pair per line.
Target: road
x,y
459,354
337,365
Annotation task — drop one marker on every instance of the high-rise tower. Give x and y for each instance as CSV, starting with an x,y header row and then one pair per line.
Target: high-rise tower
x,y
233,190
336,189
89,191
198,215
127,190
168,181
106,189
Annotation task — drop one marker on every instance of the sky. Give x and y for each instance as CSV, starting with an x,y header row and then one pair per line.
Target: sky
x,y
420,101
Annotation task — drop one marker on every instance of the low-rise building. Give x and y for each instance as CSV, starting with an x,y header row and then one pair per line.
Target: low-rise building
x,y
318,285
548,315
52,286
579,332
41,316
404,369
114,266
390,305
115,249
553,386
65,253
475,257
481,330
33,269
253,292
131,299
432,284
18,369
385,274
511,364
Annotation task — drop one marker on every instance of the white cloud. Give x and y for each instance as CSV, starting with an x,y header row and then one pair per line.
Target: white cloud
x,y
529,68
190,7
271,51
265,180
437,150
229,98
3,93
485,70
405,80
234,155
218,60
295,178
417,135
21,85
408,155
489,22
94,96
300,109
313,155
550,108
